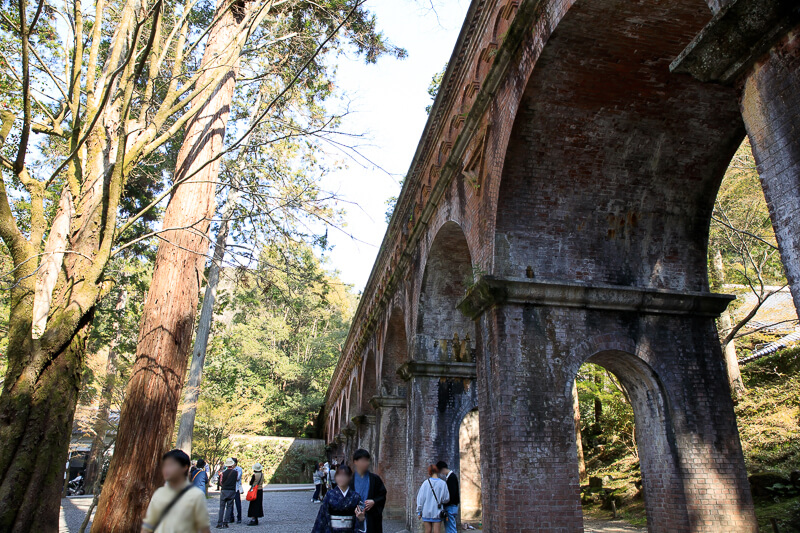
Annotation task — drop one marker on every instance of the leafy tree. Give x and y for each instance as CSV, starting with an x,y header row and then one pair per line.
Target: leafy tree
x,y
95,103
287,322
433,87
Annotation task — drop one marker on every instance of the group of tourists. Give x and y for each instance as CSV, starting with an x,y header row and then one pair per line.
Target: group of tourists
x,y
355,501
353,504
230,496
180,505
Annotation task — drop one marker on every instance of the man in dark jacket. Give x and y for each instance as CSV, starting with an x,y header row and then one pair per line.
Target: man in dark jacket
x,y
371,489
228,490
455,496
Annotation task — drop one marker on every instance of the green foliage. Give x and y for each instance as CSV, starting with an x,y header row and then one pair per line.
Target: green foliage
x,y
278,339
741,227
433,88
611,436
768,414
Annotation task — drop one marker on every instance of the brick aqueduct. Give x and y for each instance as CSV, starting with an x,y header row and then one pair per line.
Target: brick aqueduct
x,y
557,212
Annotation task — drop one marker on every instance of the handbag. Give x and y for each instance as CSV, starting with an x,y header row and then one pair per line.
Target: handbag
x,y
443,515
252,494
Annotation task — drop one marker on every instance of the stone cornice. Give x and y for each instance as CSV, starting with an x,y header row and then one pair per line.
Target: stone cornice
x,y
737,36
387,401
437,369
491,291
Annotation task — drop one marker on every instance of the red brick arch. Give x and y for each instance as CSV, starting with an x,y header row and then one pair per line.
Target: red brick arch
x,y
447,275
395,351
612,165
368,384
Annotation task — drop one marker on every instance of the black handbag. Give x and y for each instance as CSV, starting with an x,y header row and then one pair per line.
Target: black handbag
x,y
443,515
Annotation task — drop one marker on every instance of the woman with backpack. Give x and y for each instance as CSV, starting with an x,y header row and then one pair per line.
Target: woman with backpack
x,y
432,496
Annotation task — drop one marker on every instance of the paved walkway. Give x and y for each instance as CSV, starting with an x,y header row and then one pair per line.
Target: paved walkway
x,y
286,511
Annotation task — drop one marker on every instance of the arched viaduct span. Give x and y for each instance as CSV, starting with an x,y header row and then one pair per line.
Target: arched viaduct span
x,y
557,212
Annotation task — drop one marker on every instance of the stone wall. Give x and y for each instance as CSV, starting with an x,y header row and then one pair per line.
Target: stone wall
x,y
284,459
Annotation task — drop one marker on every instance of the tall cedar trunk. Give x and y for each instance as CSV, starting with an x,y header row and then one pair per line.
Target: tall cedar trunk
x,y
576,414
725,326
95,462
192,390
151,399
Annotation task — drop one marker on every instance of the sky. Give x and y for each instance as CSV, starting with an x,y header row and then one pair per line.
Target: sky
x,y
387,104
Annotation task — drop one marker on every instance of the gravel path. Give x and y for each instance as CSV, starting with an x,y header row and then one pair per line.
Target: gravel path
x,y
286,511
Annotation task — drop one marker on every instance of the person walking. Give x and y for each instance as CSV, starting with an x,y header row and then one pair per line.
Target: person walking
x,y
431,498
226,495
198,476
255,508
331,472
177,507
372,490
220,470
317,483
325,473
342,509
451,479
237,498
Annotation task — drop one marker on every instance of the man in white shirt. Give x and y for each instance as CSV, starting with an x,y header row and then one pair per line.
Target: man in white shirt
x,y
237,499
178,506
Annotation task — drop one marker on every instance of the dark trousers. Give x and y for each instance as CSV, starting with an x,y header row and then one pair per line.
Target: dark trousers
x,y
317,489
225,507
237,499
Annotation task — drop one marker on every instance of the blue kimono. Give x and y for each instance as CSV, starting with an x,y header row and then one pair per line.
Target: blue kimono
x,y
337,514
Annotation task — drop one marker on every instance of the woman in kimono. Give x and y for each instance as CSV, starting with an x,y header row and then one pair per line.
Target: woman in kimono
x,y
342,510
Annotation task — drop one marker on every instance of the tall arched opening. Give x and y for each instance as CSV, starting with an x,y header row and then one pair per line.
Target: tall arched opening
x,y
441,376
392,416
443,332
365,421
616,386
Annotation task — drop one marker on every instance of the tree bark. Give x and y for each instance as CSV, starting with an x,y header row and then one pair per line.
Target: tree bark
x,y
576,413
95,461
598,403
192,389
36,414
153,393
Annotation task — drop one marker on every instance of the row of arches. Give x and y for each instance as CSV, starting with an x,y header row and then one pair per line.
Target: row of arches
x,y
592,220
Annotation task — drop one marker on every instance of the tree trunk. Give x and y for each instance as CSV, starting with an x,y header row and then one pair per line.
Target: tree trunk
x,y
725,325
36,414
192,389
153,393
598,403
95,462
576,413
